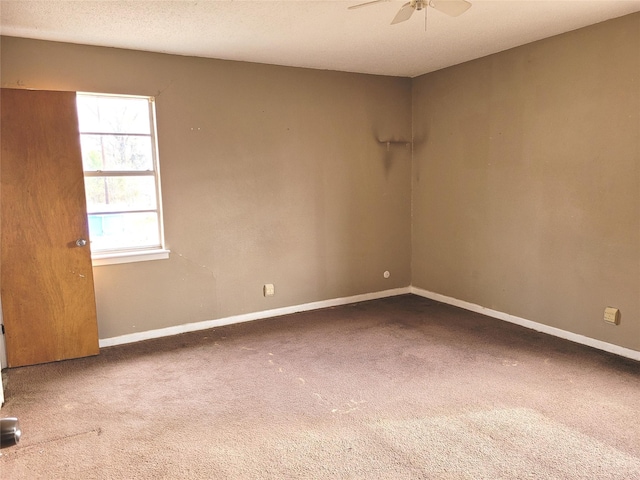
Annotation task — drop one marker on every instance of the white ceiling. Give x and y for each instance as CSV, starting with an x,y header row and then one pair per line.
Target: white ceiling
x,y
315,34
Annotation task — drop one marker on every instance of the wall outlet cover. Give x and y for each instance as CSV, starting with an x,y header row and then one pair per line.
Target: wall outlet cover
x,y
612,315
268,290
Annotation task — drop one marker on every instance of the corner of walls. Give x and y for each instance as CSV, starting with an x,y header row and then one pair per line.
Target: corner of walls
x,y
472,307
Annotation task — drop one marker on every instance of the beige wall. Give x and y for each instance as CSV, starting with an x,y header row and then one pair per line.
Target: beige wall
x,y
526,181
269,175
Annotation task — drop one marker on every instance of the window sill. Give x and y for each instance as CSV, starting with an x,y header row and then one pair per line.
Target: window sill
x,y
99,260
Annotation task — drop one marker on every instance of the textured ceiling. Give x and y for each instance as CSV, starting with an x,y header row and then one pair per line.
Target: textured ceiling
x,y
320,34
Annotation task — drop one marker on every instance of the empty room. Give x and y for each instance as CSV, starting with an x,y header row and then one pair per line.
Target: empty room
x,y
289,239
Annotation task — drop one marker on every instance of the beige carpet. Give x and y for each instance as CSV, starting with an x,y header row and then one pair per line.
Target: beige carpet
x,y
401,388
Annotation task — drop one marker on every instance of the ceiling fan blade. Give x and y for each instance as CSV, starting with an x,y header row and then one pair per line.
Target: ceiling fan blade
x,y
366,4
452,8
404,14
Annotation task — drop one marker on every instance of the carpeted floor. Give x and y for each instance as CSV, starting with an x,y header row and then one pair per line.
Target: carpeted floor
x,y
399,388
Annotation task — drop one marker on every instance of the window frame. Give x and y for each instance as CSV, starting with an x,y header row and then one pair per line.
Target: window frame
x,y
131,254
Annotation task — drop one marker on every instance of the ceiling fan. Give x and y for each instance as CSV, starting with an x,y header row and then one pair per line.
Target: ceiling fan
x,y
452,8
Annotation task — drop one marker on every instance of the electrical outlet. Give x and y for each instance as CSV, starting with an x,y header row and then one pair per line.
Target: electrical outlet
x,y
612,315
268,290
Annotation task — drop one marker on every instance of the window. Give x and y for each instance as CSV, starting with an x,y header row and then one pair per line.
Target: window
x,y
120,162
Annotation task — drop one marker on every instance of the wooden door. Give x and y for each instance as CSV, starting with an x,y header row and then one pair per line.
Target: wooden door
x,y
46,279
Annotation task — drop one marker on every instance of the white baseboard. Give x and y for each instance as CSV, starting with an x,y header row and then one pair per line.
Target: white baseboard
x,y
540,327
192,327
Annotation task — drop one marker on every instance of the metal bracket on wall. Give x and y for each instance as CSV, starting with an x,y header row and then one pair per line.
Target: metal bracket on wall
x,y
388,143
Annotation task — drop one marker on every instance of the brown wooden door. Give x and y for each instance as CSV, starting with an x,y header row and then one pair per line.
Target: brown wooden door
x,y
46,280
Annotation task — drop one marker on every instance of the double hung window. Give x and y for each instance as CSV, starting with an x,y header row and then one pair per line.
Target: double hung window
x,y
122,183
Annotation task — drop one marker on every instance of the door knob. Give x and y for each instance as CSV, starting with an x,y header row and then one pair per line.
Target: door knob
x,y
81,242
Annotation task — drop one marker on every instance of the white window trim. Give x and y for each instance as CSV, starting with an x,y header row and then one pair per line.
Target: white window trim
x,y
102,259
